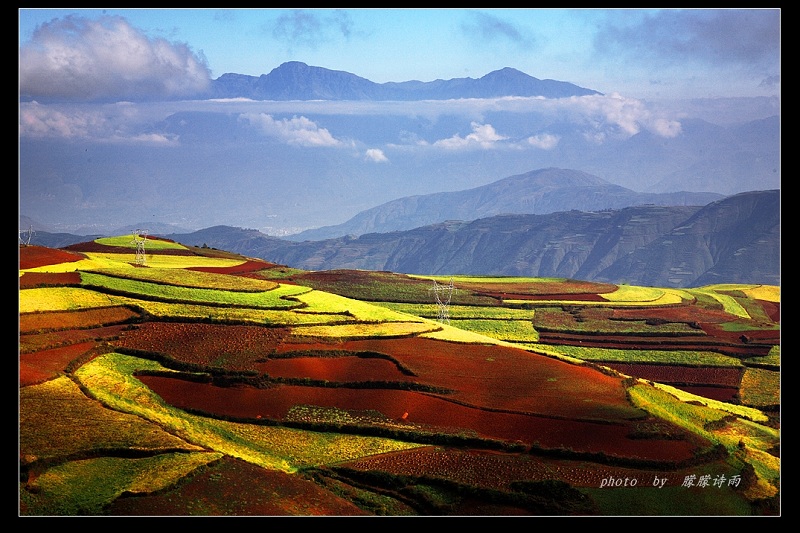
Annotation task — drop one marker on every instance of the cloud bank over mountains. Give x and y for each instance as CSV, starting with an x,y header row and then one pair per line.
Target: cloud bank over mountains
x,y
112,123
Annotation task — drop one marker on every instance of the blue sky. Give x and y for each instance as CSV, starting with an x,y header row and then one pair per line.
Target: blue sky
x,y
638,53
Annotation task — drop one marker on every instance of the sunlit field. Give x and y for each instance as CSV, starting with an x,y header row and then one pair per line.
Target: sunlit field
x,y
198,382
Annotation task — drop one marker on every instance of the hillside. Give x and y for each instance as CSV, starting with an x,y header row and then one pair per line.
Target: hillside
x,y
188,381
537,192
733,240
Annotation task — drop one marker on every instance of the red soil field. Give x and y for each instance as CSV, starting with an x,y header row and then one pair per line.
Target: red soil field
x,y
92,246
247,267
423,409
31,280
38,256
231,487
722,394
727,346
716,383
230,346
753,336
709,320
41,341
342,369
773,310
674,313
582,297
550,289
41,366
499,377
497,470
79,319
688,375
499,392
356,277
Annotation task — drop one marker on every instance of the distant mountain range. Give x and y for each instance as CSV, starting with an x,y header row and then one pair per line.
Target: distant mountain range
x,y
297,81
313,148
538,192
732,240
549,222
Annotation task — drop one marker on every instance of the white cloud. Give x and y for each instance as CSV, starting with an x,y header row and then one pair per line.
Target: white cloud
x,y
664,127
117,123
297,130
79,59
482,136
615,115
375,154
36,120
545,141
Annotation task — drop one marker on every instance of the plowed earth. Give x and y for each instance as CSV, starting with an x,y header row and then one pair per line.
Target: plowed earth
x,y
39,256
498,393
231,487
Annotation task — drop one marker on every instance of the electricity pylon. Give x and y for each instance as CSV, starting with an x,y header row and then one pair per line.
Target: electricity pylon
x,y
26,235
443,295
139,238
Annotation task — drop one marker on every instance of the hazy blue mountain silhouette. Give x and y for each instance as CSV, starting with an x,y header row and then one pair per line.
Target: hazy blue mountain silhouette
x,y
538,192
732,240
294,80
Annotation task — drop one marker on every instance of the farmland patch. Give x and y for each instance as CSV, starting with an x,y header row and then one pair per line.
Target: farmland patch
x,y
38,256
30,280
423,413
231,487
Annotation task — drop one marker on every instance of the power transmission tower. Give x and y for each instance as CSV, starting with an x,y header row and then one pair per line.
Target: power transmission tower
x,y
139,238
25,236
443,295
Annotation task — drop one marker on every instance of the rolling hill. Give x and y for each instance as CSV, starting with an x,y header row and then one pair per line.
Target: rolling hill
x,y
193,381
733,240
537,192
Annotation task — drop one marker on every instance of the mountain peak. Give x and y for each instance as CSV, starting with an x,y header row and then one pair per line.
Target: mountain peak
x,y
295,80
507,73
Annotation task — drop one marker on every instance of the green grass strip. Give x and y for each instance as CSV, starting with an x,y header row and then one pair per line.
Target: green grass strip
x,y
130,241
729,303
366,330
738,410
505,330
675,357
85,487
270,299
488,279
190,278
477,312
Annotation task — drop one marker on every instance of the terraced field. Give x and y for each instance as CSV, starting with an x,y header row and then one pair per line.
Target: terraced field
x,y
204,383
